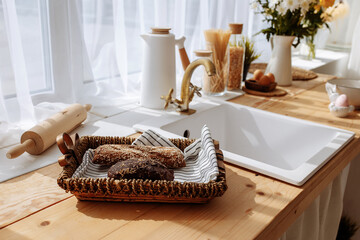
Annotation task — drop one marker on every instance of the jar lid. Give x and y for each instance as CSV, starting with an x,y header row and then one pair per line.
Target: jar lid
x,y
160,30
203,53
236,28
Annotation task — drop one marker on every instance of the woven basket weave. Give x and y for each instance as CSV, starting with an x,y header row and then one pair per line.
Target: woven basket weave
x,y
137,190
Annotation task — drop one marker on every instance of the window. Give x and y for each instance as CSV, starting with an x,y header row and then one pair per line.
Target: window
x,y
72,50
28,24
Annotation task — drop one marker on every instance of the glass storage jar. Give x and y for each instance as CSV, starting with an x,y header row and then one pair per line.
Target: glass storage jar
x,y
237,54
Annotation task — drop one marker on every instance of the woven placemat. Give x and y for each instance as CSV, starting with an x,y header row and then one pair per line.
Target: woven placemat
x,y
297,73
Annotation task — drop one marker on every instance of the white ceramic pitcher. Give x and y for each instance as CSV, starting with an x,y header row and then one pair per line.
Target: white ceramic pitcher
x,y
159,69
280,62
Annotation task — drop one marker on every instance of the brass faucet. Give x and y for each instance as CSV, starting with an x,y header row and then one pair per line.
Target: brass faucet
x,y
187,88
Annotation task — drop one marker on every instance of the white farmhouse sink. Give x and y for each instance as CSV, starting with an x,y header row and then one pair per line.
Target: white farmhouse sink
x,y
282,147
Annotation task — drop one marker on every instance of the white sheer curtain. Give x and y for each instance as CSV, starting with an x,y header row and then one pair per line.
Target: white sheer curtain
x,y
16,79
354,60
113,37
89,51
16,65
342,30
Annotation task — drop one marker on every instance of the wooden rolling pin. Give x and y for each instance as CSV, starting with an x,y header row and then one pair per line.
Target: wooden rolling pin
x,y
42,136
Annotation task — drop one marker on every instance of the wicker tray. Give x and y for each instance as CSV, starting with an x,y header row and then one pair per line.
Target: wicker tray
x,y
137,190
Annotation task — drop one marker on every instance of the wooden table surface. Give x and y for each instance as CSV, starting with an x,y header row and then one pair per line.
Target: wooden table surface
x,y
254,206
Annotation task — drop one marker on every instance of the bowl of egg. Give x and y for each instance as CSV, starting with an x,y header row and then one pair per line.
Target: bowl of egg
x,y
341,107
261,82
349,87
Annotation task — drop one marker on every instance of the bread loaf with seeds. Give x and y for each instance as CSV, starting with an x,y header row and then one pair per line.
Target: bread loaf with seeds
x,y
140,169
110,154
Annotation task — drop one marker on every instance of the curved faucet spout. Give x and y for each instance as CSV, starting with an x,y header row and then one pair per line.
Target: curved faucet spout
x,y
186,93
187,89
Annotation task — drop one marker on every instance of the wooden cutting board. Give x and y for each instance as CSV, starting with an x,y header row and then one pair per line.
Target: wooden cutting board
x,y
278,92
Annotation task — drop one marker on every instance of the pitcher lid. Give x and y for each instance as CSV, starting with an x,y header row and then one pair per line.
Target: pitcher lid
x,y
160,30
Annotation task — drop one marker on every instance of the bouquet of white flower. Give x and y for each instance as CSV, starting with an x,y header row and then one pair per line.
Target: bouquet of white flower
x,y
299,18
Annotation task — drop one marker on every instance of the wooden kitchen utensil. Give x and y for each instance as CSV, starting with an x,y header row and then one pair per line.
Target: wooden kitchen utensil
x,y
67,144
42,136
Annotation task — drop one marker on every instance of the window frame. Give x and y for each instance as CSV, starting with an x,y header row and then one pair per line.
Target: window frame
x,y
65,47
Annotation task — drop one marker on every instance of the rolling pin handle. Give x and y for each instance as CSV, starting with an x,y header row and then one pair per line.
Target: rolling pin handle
x,y
87,107
20,149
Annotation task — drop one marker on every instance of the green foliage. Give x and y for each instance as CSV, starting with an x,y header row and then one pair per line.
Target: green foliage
x,y
292,23
250,53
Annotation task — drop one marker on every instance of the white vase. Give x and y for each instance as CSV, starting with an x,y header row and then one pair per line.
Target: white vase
x,y
280,62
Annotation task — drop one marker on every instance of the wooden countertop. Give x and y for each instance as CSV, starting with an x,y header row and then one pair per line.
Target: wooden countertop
x,y
254,206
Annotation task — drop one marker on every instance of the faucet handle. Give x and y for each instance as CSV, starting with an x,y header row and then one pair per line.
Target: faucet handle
x,y
196,89
168,99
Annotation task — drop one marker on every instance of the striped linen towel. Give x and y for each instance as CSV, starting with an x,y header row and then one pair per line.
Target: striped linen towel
x,y
200,157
